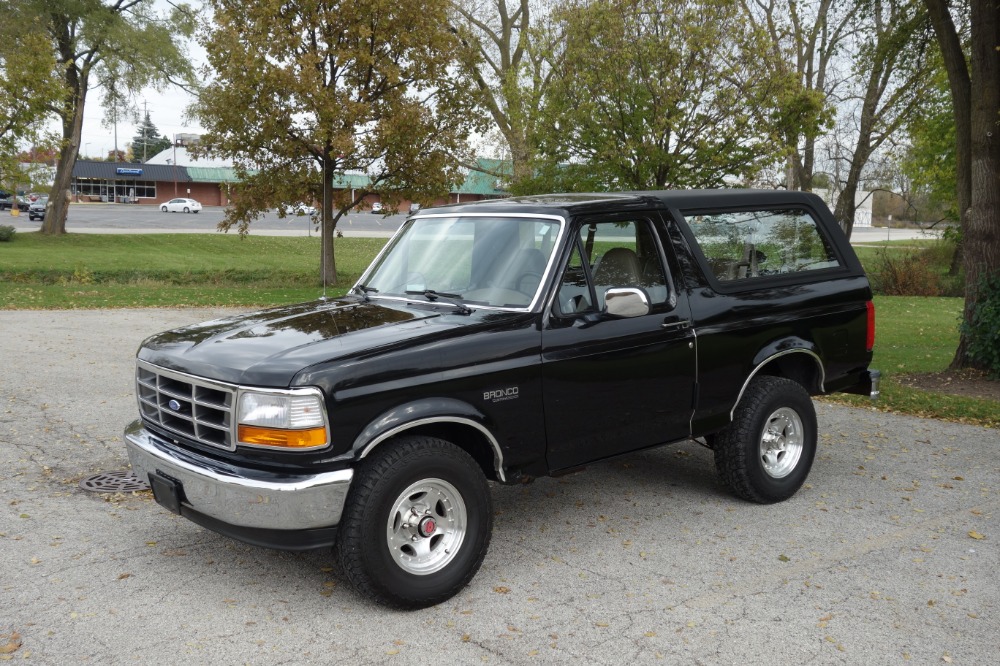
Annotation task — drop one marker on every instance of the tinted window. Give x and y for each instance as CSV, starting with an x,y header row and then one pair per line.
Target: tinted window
x,y
749,244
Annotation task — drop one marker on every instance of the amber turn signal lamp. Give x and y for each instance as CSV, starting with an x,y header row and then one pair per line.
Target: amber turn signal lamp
x,y
285,439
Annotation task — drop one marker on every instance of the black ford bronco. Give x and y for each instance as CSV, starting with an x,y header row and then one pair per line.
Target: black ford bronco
x,y
501,341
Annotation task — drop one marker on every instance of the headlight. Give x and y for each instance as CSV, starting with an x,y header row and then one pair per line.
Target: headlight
x,y
287,420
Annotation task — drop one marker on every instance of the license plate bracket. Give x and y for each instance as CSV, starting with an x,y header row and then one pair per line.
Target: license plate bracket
x,y
166,491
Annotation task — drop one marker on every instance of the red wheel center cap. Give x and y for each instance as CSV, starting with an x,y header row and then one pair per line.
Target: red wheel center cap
x,y
427,527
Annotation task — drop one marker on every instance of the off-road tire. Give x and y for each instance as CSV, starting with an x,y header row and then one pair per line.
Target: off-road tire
x,y
767,451
366,548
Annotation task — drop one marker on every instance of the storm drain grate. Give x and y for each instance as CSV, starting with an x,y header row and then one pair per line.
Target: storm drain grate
x,y
114,482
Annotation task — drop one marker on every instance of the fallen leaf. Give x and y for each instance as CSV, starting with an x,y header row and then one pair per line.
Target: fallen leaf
x,y
784,558
13,642
123,576
501,589
976,535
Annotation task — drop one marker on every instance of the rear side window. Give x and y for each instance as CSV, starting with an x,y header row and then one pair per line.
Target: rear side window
x,y
741,245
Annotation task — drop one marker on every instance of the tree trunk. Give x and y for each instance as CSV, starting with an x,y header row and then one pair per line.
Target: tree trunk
x,y
328,263
72,127
846,202
808,164
976,102
981,229
520,155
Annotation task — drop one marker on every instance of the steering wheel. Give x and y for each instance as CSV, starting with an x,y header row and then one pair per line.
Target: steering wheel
x,y
528,283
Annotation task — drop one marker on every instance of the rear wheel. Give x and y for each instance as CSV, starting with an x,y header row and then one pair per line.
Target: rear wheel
x,y
767,451
417,523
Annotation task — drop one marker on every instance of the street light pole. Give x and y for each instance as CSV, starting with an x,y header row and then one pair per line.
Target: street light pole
x,y
175,166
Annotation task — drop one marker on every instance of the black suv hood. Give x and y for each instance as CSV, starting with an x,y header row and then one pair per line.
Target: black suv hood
x,y
269,348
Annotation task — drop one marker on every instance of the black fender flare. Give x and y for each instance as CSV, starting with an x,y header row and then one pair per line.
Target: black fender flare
x,y
423,412
777,349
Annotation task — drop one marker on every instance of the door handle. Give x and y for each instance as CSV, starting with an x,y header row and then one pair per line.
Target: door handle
x,y
676,325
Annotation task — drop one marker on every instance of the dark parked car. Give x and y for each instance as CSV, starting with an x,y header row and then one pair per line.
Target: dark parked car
x,y
9,201
501,341
36,209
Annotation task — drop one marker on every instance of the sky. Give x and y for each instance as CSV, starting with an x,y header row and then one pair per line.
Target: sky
x,y
166,111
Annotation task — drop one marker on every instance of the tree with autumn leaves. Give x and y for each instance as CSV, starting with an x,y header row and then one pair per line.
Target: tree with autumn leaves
x,y
30,87
116,47
304,94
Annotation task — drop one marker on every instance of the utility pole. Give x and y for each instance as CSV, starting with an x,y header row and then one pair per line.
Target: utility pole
x,y
175,165
145,127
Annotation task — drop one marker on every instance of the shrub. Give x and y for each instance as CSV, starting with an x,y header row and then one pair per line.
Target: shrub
x,y
905,274
983,331
7,234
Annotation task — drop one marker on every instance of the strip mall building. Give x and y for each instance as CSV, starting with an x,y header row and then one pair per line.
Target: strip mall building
x,y
173,173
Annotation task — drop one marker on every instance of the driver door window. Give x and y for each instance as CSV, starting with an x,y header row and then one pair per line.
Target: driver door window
x,y
612,254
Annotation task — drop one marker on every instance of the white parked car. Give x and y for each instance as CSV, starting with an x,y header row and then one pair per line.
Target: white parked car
x,y
181,206
300,209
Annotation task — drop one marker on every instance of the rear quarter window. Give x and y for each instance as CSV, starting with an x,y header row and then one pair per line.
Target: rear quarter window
x,y
744,245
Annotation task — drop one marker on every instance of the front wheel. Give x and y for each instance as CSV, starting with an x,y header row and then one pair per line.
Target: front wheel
x,y
767,451
163,209
186,209
417,523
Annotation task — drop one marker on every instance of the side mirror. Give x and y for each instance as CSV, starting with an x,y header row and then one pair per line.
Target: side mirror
x,y
626,302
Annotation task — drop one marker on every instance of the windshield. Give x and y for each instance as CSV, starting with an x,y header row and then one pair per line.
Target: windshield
x,y
473,260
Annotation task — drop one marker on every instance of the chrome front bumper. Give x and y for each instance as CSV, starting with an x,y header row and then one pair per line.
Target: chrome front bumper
x,y
246,499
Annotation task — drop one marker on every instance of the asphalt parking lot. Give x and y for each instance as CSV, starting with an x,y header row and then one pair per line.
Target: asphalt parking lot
x,y
888,555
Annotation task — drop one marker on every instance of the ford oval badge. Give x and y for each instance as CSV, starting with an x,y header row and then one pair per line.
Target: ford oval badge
x,y
174,405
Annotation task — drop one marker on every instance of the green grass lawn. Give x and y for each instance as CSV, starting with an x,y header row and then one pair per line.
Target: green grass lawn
x,y
917,335
138,270
914,334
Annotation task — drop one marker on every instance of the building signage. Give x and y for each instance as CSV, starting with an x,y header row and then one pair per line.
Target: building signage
x,y
121,171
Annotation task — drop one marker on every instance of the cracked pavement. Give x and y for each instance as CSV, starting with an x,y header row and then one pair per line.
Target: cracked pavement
x,y
889,554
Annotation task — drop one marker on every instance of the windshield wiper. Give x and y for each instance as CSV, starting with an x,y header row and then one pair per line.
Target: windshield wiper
x,y
365,290
450,299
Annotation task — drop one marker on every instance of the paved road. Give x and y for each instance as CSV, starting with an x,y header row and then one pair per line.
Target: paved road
x,y
119,218
889,554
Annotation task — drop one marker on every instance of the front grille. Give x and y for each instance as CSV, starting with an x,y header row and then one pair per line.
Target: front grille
x,y
195,408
